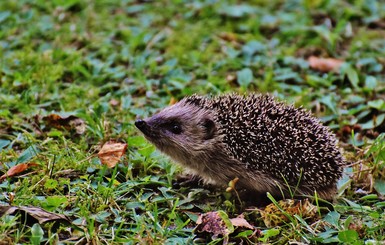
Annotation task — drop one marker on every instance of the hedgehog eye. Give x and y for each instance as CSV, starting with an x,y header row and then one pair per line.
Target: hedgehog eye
x,y
175,128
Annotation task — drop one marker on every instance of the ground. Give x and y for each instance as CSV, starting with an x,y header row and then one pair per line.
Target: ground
x,y
76,74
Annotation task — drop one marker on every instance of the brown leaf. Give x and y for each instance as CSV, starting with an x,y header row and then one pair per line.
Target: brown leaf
x,y
228,36
38,214
359,227
17,169
241,222
114,102
272,215
67,122
111,153
216,222
324,64
231,78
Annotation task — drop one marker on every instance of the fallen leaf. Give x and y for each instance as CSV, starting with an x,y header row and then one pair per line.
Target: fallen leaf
x,y
67,122
38,214
241,222
231,78
111,153
11,197
359,227
324,64
216,222
273,216
228,36
114,102
17,169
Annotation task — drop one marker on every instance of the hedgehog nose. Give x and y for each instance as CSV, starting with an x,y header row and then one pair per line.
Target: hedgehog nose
x,y
140,124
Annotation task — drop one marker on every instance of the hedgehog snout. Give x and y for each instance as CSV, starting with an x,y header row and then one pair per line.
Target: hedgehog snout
x,y
141,125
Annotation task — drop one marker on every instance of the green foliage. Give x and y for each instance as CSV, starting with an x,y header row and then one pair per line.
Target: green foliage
x,y
109,62
37,234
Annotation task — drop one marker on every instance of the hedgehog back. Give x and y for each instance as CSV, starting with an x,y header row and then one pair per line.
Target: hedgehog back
x,y
277,139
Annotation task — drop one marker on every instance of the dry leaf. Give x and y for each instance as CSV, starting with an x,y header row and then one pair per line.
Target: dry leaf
x,y
228,36
216,222
68,174
241,222
231,78
39,214
273,216
17,169
114,102
111,153
324,64
68,122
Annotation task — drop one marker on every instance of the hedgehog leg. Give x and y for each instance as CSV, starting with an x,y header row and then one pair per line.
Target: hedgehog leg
x,y
191,180
253,198
187,180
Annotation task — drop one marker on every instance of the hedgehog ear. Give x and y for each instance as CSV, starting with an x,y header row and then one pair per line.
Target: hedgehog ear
x,y
210,128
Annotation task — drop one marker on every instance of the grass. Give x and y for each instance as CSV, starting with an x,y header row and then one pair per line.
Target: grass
x,y
109,62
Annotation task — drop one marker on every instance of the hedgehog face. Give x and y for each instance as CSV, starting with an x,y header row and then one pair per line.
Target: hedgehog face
x,y
182,130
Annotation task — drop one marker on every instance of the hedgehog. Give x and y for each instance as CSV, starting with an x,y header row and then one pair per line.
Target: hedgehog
x,y
267,145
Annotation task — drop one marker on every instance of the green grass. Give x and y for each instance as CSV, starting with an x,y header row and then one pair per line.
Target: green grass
x,y
109,62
